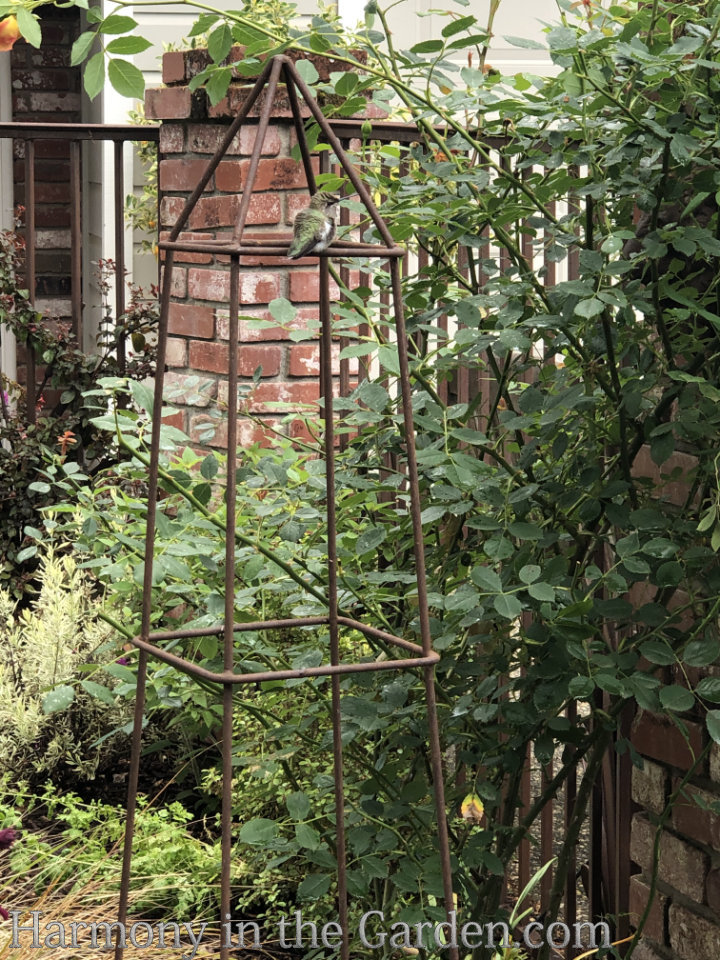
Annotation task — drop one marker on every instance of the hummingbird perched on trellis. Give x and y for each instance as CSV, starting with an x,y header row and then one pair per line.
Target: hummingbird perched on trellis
x,y
314,228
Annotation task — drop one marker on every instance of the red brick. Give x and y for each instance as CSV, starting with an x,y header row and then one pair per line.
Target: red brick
x,y
646,951
173,103
712,890
205,138
655,923
50,192
42,79
715,763
265,209
299,430
46,102
54,307
249,432
692,936
649,786
209,284
642,838
190,390
176,354
172,138
49,56
237,97
56,216
176,419
323,64
170,210
682,866
247,333
40,116
182,174
692,820
203,428
230,175
178,287
47,171
655,736
214,212
305,360
295,203
281,174
215,285
53,239
191,320
258,287
214,357
305,287
238,94
173,67
266,396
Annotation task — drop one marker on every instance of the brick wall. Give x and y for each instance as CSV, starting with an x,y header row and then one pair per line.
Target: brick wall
x,y
276,374
46,89
684,921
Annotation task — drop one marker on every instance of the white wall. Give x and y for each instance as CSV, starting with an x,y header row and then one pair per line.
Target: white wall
x,y
516,18
7,348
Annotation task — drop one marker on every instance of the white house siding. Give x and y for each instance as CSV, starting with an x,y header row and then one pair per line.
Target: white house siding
x,y
516,18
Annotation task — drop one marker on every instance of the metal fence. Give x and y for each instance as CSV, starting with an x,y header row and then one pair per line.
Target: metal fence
x,y
80,138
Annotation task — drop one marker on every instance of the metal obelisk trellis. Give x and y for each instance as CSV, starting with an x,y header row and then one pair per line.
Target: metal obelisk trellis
x,y
152,644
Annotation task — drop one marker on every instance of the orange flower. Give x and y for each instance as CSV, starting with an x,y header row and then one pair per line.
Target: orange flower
x,y
65,441
9,33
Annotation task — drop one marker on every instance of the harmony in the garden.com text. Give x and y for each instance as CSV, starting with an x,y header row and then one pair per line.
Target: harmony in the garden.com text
x,y
373,933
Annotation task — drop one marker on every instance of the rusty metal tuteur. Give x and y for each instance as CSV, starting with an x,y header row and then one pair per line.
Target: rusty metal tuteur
x,y
151,644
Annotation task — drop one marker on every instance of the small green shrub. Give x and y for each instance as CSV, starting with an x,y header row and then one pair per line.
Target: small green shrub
x,y
174,872
56,703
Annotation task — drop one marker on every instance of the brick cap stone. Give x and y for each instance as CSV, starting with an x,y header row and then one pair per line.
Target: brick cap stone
x,y
175,102
180,66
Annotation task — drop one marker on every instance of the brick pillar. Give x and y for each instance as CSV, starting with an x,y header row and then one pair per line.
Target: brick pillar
x,y
684,921
46,89
272,368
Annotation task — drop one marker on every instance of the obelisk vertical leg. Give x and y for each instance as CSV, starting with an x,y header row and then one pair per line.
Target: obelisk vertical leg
x,y
423,611
136,746
327,387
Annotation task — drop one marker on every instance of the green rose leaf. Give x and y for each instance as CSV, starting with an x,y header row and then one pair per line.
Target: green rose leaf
x,y
298,805
258,832
314,886
59,698
94,76
676,698
126,79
